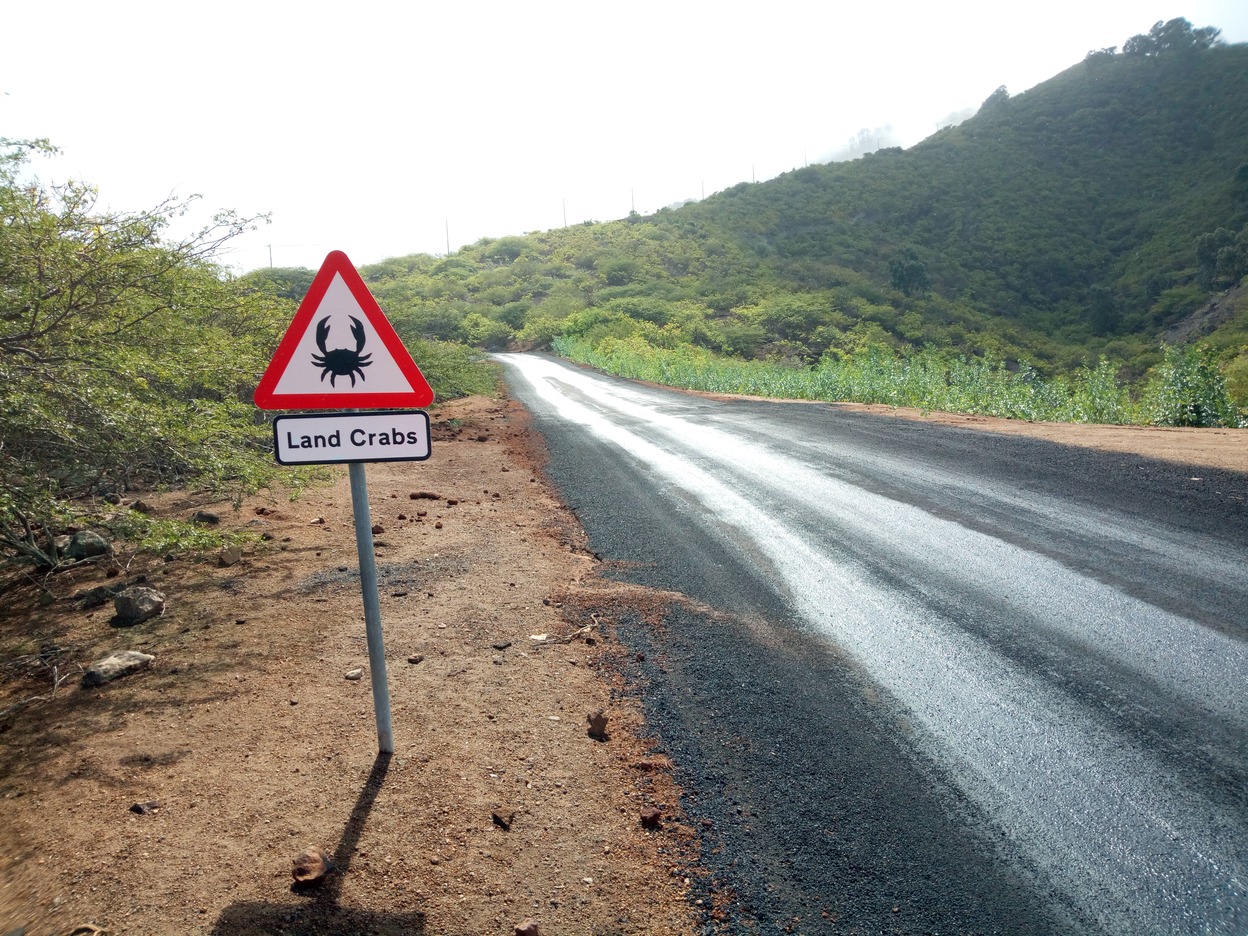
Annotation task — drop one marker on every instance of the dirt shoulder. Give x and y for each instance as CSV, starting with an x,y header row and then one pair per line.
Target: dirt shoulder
x,y
1213,448
497,806
253,742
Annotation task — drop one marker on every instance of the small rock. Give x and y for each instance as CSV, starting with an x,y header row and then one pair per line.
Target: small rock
x,y
317,521
46,598
206,517
137,604
438,525
528,928
114,666
229,555
354,674
503,821
85,544
423,495
451,502
597,725
141,506
501,645
652,818
112,498
145,809
416,658
311,865
378,529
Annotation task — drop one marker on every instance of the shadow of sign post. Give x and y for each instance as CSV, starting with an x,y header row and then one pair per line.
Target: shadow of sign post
x,y
321,911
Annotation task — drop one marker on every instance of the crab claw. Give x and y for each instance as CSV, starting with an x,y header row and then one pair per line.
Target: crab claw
x,y
357,330
322,333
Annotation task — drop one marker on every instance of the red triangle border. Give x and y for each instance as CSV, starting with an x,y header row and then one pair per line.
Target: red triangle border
x,y
336,263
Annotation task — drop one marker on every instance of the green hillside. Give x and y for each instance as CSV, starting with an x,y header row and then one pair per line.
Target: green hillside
x,y
1092,218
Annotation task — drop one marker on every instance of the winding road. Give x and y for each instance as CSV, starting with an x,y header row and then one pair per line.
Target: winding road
x,y
924,679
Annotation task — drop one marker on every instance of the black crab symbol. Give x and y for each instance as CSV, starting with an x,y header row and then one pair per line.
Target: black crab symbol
x,y
341,362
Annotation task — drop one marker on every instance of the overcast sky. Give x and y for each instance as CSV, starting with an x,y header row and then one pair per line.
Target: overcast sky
x,y
377,128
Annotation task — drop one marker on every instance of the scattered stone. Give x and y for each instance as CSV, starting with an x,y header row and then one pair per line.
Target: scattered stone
x,y
114,666
229,555
483,438
141,506
423,495
354,674
112,497
137,604
597,725
438,525
651,818
86,544
317,521
501,645
499,661
145,809
46,598
311,865
416,658
451,502
263,511
294,701
378,529
503,821
528,928
206,517
398,594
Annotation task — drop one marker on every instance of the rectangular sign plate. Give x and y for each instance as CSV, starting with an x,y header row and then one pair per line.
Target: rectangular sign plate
x,y
320,439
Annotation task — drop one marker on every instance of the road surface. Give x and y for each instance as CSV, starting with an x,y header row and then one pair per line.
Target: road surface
x,y
925,679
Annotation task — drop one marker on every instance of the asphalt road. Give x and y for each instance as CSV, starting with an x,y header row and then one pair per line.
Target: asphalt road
x,y
927,680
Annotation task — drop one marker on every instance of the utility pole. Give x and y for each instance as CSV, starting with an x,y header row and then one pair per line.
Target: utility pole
x,y
448,237
270,246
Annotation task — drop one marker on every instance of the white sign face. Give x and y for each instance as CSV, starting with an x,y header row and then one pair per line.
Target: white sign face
x,y
351,437
341,352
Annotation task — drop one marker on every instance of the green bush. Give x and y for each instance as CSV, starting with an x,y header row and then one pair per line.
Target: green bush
x,y
1187,389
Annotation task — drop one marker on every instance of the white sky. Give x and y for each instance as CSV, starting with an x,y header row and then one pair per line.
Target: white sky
x,y
373,127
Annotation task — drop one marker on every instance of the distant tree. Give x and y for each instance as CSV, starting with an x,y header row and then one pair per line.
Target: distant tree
x,y
907,272
1103,310
995,101
1176,35
1097,56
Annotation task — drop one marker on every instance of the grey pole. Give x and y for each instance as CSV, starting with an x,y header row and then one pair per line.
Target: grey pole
x,y
372,607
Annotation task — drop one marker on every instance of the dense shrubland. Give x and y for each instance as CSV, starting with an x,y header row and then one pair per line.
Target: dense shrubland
x,y
129,360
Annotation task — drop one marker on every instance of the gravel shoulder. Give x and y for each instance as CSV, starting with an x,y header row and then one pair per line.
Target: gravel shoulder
x,y
497,807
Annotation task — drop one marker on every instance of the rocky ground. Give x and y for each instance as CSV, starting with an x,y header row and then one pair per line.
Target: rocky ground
x,y
174,800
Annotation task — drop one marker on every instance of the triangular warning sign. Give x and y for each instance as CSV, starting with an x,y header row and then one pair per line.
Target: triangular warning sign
x,y
340,352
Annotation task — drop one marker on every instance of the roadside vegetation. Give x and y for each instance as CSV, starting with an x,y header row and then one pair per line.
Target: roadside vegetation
x,y
128,362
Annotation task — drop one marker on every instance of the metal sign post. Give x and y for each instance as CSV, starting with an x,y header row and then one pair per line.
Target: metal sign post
x,y
372,607
372,370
